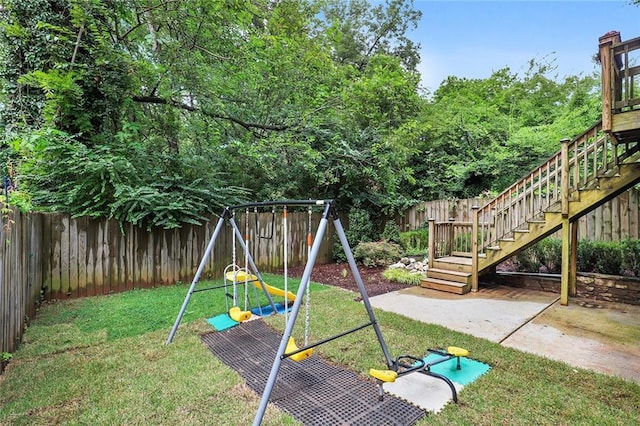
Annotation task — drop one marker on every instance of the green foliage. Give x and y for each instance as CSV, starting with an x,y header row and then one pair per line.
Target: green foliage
x,y
415,242
6,356
391,232
601,257
120,181
402,276
160,114
481,135
359,229
631,257
301,102
375,254
544,257
612,258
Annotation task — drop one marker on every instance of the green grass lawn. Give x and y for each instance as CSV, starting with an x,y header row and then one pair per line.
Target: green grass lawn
x,y
102,361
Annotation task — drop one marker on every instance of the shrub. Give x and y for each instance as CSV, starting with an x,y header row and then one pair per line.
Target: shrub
x,y
600,257
549,253
611,257
526,261
631,257
391,232
415,242
402,276
373,254
545,256
360,229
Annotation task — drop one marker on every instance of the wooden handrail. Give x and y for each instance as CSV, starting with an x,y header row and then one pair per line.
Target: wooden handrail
x,y
586,155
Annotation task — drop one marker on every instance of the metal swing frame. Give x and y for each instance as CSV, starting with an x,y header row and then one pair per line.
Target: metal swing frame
x,y
329,213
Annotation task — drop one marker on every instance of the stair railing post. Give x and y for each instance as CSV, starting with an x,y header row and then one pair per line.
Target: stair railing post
x,y
474,248
432,248
564,177
564,199
564,272
605,44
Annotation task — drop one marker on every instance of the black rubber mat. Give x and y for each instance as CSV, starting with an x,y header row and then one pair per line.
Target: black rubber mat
x,y
313,391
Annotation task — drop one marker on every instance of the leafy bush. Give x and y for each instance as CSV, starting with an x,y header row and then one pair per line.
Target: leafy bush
x,y
600,257
402,276
360,229
631,257
415,242
373,254
545,256
604,257
391,232
549,253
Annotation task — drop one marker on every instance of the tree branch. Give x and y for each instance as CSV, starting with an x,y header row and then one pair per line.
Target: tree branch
x,y
191,108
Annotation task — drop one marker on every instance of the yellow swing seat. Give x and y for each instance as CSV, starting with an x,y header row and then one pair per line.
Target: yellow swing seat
x,y
238,315
292,347
387,376
456,351
241,275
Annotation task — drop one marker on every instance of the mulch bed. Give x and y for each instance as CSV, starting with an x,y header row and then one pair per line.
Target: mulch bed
x,y
339,275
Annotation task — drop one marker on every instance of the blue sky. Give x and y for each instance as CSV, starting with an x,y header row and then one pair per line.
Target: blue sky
x,y
473,38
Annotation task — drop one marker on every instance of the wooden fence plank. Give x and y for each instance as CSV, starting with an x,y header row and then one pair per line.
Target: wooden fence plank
x,y
634,213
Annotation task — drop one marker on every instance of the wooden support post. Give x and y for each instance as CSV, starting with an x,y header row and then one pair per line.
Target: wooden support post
x,y
573,262
564,276
432,242
474,248
564,177
606,41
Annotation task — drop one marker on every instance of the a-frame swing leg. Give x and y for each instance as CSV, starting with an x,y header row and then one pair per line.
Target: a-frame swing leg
x,y
363,291
306,276
196,278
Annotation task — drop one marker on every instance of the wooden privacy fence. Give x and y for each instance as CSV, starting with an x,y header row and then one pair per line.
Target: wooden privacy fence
x,y
20,275
615,220
54,256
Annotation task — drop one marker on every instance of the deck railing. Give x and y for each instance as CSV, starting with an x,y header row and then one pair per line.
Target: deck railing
x,y
625,71
620,70
450,238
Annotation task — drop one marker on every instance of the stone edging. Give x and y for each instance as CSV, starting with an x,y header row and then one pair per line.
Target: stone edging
x,y
610,288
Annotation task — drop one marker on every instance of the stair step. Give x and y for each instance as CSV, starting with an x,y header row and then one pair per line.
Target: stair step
x,y
522,231
508,240
453,263
447,275
493,248
444,285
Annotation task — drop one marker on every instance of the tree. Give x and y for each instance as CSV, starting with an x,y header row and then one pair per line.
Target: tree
x,y
479,136
357,31
122,105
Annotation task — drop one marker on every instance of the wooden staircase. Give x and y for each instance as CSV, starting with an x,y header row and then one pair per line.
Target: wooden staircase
x,y
587,172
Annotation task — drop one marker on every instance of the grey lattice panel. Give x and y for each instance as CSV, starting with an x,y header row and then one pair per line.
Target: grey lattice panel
x,y
313,391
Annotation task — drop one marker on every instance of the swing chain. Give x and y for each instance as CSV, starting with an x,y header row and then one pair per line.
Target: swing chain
x,y
307,304
246,258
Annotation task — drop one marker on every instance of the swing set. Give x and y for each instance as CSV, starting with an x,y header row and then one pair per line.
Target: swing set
x,y
235,275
